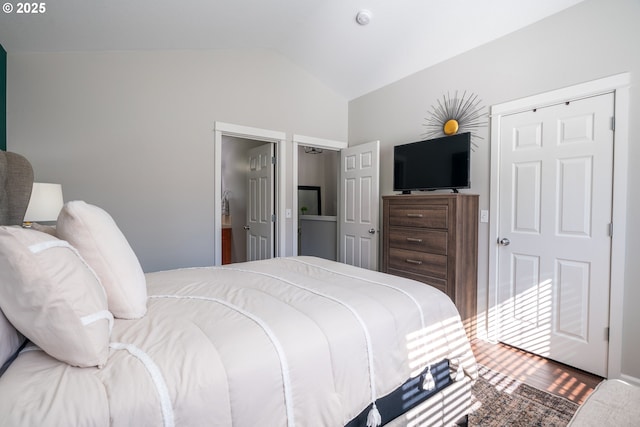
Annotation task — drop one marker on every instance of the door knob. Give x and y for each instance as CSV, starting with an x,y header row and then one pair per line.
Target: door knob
x,y
372,231
246,227
504,241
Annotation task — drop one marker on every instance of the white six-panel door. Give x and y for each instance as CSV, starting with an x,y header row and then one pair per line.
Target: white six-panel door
x,y
359,205
554,230
260,225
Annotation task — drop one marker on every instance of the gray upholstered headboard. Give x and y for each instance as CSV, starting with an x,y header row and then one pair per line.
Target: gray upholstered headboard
x,y
16,182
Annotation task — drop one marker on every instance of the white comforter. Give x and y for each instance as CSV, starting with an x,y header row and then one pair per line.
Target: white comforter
x,y
291,341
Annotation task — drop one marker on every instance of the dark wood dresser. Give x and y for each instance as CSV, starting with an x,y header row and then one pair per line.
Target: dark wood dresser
x,y
434,239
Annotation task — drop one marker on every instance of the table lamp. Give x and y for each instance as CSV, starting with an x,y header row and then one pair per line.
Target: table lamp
x,y
45,203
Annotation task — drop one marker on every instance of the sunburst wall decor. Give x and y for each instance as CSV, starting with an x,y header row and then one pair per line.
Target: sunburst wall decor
x,y
455,115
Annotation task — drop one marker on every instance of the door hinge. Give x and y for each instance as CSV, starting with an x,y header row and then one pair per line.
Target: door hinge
x,y
273,160
610,229
613,123
607,333
273,218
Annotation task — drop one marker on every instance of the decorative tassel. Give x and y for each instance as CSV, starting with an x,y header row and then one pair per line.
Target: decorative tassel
x,y
428,383
374,419
459,374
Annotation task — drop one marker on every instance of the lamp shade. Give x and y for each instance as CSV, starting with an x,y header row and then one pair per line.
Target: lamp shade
x,y
45,203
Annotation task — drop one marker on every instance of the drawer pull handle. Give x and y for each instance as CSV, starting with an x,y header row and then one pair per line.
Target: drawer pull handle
x,y
414,240
414,215
413,261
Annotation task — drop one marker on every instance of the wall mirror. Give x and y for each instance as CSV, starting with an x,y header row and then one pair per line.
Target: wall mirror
x,y
309,200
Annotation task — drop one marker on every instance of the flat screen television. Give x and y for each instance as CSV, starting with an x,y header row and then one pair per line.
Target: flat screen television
x,y
433,164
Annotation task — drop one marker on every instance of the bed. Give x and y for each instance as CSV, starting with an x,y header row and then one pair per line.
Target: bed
x,y
88,339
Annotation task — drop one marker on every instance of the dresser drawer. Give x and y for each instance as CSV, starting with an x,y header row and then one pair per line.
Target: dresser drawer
x,y
440,284
418,239
422,263
419,216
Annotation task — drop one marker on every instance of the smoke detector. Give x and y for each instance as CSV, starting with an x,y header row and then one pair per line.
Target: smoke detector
x,y
363,17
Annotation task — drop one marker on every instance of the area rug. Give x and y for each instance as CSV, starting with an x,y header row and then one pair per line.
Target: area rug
x,y
498,401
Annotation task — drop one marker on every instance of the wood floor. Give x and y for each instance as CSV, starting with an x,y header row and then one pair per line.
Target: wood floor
x,y
536,371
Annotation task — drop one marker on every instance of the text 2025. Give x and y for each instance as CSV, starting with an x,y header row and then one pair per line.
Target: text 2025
x,y
31,7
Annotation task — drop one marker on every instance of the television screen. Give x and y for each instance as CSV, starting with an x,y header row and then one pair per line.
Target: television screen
x,y
433,164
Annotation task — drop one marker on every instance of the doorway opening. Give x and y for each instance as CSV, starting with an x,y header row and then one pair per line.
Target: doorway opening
x,y
245,137
316,167
317,205
236,198
358,195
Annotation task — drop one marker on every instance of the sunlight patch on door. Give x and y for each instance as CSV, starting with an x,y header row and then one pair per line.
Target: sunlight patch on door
x,y
526,315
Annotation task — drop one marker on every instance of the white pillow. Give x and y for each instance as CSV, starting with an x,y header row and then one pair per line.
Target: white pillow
x,y
53,297
10,339
95,234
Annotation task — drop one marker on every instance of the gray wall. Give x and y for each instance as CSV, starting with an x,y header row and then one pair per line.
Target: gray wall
x,y
595,39
133,133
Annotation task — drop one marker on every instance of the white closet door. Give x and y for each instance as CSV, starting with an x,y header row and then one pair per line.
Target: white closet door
x,y
556,178
260,210
359,205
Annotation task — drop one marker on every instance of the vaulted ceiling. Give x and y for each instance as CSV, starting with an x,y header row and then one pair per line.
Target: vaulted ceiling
x,y
321,36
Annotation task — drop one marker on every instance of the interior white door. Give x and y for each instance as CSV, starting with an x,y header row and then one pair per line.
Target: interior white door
x,y
359,205
556,178
260,208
